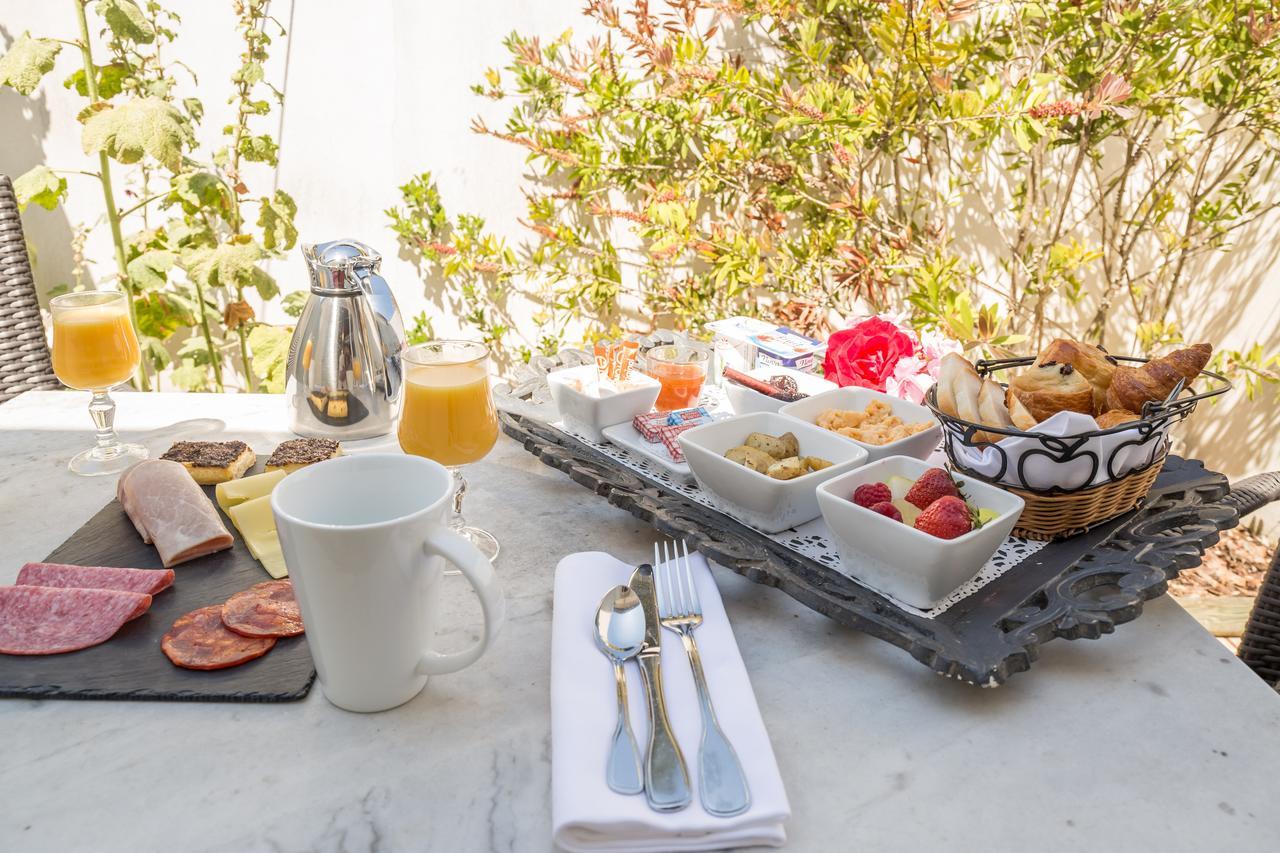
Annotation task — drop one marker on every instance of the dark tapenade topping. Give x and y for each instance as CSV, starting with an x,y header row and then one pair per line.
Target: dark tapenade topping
x,y
303,451
205,454
1066,370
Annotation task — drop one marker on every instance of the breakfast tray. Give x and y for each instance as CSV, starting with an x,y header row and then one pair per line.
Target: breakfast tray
x,y
1081,587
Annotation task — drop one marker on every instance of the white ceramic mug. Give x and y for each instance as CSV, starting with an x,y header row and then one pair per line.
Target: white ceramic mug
x,y
365,541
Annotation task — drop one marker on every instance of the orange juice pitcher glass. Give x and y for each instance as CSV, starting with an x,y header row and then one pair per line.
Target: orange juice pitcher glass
x,y
448,415
682,370
95,349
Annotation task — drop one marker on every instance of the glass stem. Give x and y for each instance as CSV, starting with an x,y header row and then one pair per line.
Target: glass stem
x,y
456,521
103,411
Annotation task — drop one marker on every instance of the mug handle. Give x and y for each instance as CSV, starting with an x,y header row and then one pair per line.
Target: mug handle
x,y
443,542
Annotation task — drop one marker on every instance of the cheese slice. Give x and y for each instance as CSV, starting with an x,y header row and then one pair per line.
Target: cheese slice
x,y
257,527
235,492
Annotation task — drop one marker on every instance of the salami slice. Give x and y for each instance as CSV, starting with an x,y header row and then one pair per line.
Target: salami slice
x,y
41,620
264,610
146,581
199,640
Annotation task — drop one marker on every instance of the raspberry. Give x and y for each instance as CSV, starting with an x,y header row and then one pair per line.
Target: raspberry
x,y
886,508
870,494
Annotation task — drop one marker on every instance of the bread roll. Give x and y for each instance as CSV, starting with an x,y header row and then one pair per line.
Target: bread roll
x,y
958,387
1051,388
1131,387
992,410
1090,361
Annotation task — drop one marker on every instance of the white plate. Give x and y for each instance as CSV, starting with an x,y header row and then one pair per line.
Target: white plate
x,y
745,401
625,436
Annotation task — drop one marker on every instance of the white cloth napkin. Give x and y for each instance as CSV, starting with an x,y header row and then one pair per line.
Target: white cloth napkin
x,y
585,814
1041,472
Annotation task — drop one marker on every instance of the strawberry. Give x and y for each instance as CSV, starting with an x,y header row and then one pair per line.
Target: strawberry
x,y
886,508
931,485
946,518
870,494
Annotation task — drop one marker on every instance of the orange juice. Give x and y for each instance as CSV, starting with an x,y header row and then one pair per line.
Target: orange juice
x,y
94,347
448,413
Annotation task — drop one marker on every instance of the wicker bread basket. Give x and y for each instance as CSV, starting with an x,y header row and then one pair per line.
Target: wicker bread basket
x,y
1058,513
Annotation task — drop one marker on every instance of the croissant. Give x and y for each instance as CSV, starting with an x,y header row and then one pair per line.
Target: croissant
x,y
1090,361
1115,417
1131,387
1051,388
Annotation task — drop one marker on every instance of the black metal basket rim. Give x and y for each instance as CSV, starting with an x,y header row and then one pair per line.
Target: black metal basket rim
x,y
1058,491
1153,417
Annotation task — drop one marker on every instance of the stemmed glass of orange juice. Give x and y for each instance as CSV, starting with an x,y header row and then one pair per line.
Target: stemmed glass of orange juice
x,y
95,349
448,416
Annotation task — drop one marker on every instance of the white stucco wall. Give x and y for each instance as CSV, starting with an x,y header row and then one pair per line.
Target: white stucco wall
x,y
379,91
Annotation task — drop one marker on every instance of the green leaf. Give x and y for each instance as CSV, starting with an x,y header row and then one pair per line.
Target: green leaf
x,y
110,81
150,270
194,190
126,21
26,62
270,347
160,315
264,283
190,376
259,149
41,186
275,218
139,126
294,302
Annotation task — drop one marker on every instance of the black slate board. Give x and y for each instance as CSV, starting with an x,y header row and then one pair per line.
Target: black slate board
x,y
130,665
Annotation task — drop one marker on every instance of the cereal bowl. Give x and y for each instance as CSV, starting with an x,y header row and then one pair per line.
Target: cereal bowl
x,y
850,398
756,499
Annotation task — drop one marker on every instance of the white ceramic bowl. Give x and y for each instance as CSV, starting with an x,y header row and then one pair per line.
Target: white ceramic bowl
x,y
914,567
744,401
588,413
756,499
919,445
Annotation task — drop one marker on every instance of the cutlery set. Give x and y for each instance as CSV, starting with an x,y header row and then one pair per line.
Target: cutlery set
x,y
629,624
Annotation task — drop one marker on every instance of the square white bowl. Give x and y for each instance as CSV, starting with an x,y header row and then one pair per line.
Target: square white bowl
x,y
588,414
756,499
744,401
912,566
918,446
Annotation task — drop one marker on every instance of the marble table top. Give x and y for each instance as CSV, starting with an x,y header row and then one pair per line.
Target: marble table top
x,y
1155,738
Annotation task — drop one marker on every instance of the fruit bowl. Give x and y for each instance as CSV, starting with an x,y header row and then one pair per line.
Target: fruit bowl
x,y
893,557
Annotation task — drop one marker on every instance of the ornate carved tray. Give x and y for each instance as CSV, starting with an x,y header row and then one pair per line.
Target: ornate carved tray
x,y
1082,587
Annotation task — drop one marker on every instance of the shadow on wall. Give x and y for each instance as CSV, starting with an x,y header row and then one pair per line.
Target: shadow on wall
x,y
24,124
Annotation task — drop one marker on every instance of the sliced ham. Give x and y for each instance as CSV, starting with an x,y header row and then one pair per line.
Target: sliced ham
x,y
41,620
146,581
171,511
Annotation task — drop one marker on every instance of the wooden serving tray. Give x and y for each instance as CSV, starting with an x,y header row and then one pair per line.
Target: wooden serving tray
x,y
130,665
1082,587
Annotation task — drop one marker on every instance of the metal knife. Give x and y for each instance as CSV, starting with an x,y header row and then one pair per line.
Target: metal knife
x,y
666,777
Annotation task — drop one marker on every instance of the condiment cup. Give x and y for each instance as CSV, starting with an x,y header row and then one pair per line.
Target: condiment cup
x,y
756,499
909,565
854,399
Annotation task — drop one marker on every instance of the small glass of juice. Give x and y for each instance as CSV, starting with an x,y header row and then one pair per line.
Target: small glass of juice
x,y
681,370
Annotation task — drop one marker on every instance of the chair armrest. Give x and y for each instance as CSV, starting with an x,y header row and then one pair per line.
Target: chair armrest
x,y
1253,493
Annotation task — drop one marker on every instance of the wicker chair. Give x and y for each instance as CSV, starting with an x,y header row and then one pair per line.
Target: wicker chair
x,y
24,352
1260,644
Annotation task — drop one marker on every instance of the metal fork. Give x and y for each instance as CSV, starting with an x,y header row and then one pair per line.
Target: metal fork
x,y
722,785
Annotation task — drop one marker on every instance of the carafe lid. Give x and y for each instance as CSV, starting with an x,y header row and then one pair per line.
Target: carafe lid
x,y
333,265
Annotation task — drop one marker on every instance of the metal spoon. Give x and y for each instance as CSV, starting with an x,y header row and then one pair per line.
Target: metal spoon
x,y
620,635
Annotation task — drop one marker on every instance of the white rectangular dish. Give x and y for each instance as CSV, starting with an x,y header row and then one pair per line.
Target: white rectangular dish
x,y
587,406
850,398
756,499
625,436
744,401
909,565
